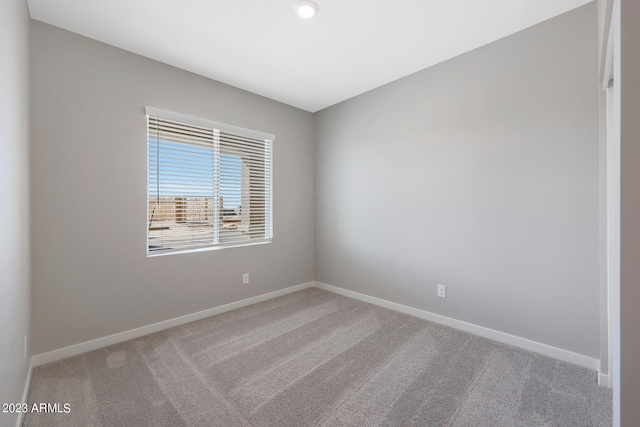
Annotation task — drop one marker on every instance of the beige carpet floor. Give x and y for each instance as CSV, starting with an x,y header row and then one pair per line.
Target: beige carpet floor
x,y
313,358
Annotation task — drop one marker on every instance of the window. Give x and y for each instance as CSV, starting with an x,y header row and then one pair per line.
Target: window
x,y
208,184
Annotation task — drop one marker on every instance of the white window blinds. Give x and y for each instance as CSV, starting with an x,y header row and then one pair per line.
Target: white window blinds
x,y
209,185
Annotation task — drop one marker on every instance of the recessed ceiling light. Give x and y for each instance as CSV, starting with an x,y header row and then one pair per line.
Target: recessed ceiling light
x,y
306,8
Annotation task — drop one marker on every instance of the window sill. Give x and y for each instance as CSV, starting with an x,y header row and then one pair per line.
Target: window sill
x,y
207,248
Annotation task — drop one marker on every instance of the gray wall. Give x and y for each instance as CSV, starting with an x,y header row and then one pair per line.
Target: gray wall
x,y
91,276
628,89
14,201
480,173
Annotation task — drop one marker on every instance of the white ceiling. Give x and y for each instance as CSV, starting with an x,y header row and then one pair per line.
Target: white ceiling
x,y
262,46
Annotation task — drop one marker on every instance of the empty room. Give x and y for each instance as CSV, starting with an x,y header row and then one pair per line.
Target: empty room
x,y
319,213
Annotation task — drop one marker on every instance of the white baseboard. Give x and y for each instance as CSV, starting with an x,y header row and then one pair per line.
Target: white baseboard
x,y
526,344
604,380
25,392
74,350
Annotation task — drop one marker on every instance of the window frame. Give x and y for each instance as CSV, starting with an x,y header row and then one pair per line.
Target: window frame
x,y
217,128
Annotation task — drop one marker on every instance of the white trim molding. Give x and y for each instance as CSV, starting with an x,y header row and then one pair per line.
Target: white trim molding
x,y
76,349
526,344
604,380
25,392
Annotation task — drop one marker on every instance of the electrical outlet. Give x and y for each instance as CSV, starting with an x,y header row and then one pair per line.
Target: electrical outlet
x,y
245,279
25,348
442,291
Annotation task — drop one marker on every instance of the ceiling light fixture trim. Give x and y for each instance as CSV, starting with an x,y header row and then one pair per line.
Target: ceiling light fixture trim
x,y
306,9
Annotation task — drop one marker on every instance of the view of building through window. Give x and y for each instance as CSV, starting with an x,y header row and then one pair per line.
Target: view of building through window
x,y
205,187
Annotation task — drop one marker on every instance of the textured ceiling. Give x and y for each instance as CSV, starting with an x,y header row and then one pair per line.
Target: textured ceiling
x,y
350,47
